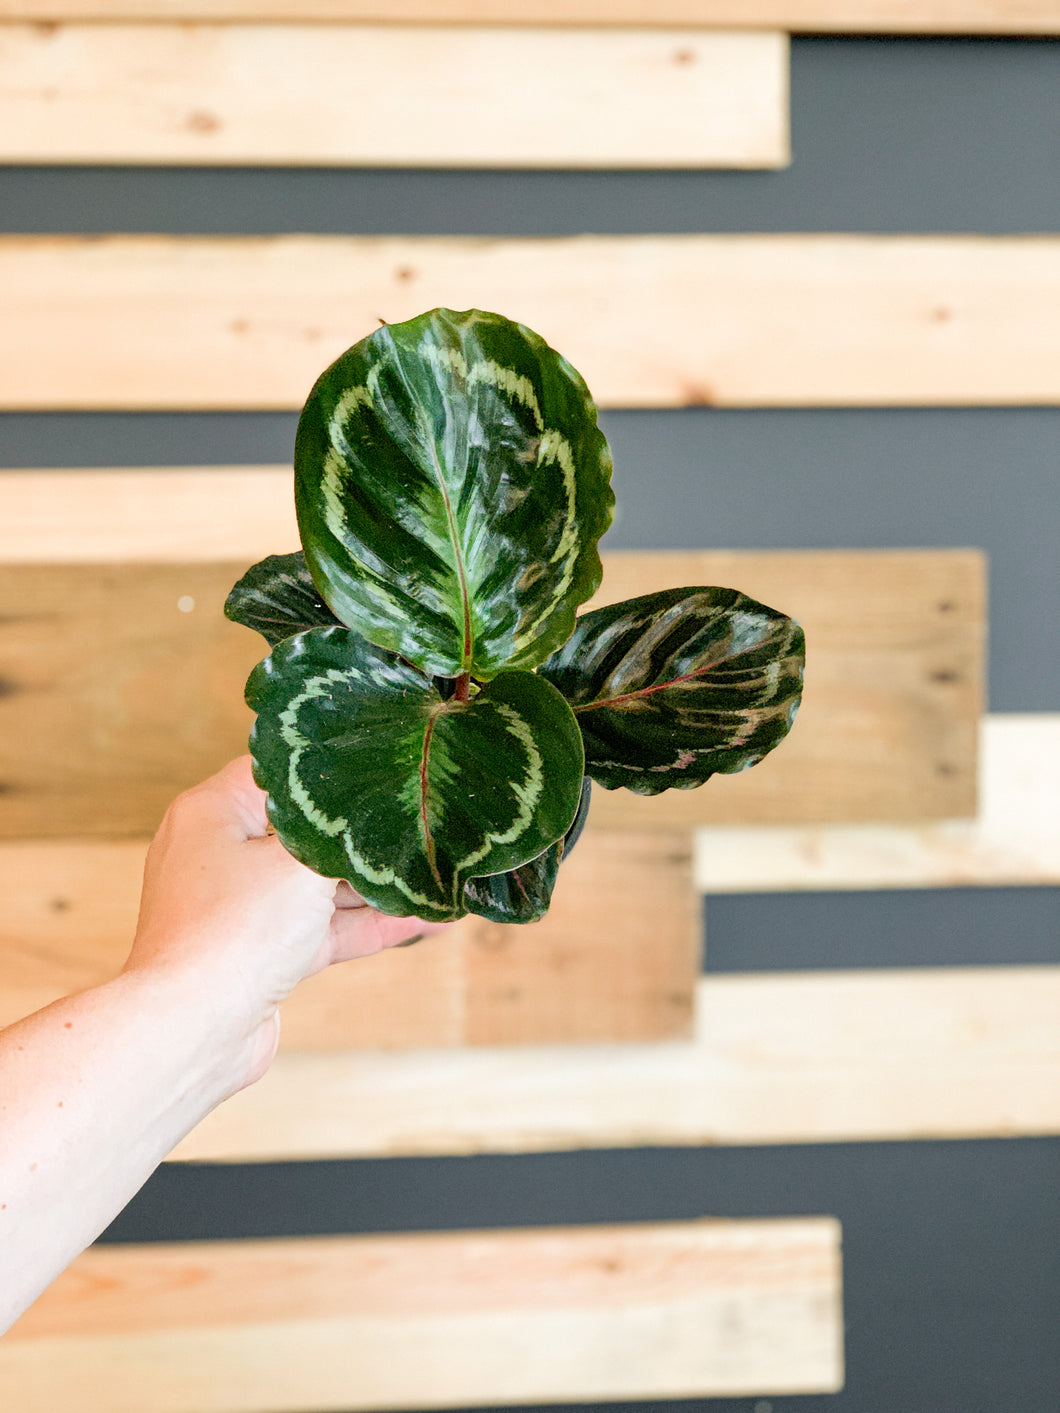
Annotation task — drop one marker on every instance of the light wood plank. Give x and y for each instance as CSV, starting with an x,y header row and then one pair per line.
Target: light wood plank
x,y
582,974
147,515
827,16
1014,839
146,698
384,95
138,322
800,1058
552,1315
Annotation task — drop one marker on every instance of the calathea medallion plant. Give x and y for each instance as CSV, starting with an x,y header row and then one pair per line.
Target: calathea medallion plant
x,y
433,710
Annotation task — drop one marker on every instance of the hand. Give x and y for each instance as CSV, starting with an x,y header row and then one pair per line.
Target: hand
x,y
227,910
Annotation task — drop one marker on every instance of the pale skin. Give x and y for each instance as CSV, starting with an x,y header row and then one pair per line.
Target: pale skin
x,y
96,1089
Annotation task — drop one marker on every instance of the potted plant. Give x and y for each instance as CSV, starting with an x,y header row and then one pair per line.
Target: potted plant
x,y
433,710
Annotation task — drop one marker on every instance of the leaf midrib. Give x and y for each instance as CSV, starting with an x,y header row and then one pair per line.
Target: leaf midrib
x,y
655,687
461,571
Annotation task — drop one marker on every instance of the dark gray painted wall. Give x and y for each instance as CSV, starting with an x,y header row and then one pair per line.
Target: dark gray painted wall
x,y
949,1249
952,1250
888,135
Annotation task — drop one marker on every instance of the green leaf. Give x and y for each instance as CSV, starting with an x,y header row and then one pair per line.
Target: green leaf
x,y
451,484
671,688
277,597
523,894
374,778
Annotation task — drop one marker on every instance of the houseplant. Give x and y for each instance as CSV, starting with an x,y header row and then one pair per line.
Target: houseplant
x,y
432,710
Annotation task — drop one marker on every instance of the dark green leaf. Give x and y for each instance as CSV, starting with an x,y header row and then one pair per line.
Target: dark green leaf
x,y
372,777
451,484
277,597
674,687
523,895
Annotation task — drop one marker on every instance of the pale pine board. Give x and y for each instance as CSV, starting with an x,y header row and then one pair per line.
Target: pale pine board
x,y
240,322
1014,839
679,1310
147,515
615,959
384,95
836,16
779,1058
125,699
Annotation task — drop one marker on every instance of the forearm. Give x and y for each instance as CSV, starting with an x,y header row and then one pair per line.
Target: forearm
x,y
95,1091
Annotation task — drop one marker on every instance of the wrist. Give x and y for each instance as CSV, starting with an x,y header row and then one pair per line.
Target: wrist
x,y
200,1027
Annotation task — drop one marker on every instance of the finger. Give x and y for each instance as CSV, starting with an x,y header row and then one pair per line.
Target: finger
x,y
362,932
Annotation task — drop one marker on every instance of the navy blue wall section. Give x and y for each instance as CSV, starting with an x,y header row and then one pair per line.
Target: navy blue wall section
x,y
952,1257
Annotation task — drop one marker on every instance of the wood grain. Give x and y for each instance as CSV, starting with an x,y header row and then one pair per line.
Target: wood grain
x,y
673,1310
384,95
801,1058
123,685
814,16
115,699
1013,840
239,322
615,959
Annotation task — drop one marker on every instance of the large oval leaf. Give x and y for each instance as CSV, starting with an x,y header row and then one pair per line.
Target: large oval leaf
x,y
451,484
523,894
277,597
372,777
671,688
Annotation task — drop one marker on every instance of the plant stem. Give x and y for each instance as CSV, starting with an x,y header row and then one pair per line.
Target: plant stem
x,y
463,687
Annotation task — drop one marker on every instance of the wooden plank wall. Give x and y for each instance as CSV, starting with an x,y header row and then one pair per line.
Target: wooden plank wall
x,y
581,974
887,730
424,1051
435,1321
383,95
156,322
1027,17
812,1057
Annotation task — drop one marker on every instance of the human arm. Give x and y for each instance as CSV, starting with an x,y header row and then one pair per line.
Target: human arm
x,y
96,1089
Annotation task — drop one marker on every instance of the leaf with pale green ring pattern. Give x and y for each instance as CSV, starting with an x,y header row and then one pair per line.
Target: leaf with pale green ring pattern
x,y
372,777
277,597
523,894
451,484
673,687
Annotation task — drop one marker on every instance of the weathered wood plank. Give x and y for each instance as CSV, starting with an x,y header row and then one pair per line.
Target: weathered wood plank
x,y
800,1058
815,16
585,973
123,685
1014,839
299,94
426,1321
144,698
138,322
